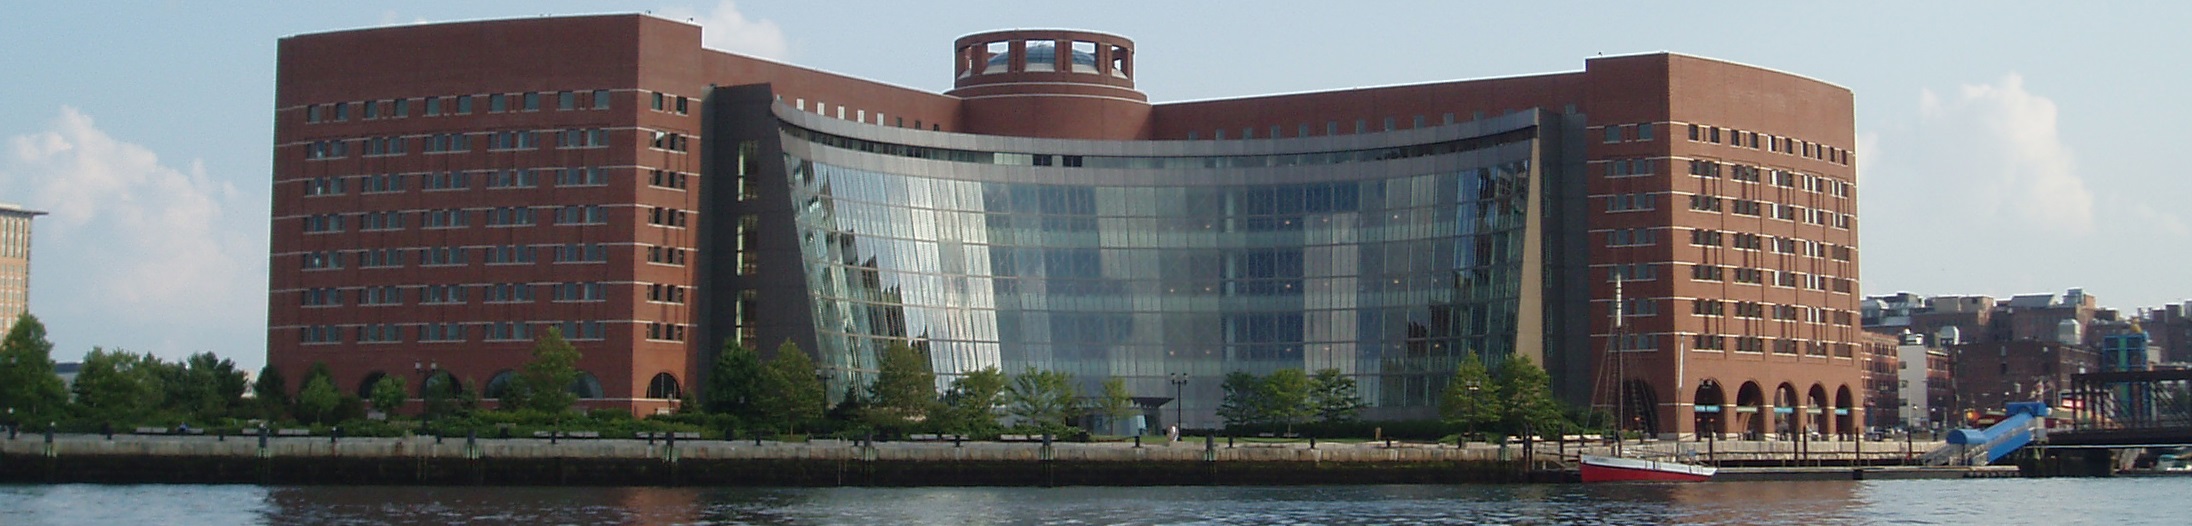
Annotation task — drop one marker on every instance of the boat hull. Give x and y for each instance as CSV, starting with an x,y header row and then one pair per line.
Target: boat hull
x,y
1616,469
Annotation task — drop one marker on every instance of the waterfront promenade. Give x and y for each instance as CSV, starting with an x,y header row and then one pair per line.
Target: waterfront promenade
x,y
320,459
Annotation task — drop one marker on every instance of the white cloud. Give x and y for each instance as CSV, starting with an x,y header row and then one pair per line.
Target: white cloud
x,y
727,29
133,242
1991,152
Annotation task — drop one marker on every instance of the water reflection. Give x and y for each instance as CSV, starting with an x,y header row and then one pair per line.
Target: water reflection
x,y
2026,501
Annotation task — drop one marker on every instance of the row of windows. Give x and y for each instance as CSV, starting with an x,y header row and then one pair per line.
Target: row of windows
x,y
1770,142
669,217
665,293
1631,202
1754,344
1165,163
1618,237
450,256
1628,132
822,108
1784,212
1630,237
1779,245
667,103
665,331
456,180
1331,127
666,255
461,142
670,141
449,332
1780,278
1777,177
459,294
459,105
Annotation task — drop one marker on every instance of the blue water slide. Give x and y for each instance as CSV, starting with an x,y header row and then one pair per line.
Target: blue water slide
x,y
2015,431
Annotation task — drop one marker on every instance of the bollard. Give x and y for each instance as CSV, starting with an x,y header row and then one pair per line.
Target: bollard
x,y
670,440
650,436
1137,441
757,438
220,435
1312,441
262,436
334,434
1229,441
107,429
956,438
49,432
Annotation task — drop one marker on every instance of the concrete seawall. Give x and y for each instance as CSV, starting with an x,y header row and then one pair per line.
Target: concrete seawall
x,y
424,460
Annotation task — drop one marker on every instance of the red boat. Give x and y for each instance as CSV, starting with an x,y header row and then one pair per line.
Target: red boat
x,y
1618,469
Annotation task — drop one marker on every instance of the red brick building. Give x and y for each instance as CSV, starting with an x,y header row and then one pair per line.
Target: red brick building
x,y
445,192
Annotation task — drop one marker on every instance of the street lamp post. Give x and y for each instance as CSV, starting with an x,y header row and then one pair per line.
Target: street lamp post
x,y
1179,402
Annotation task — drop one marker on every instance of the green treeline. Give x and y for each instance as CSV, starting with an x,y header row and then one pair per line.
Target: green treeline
x,y
744,395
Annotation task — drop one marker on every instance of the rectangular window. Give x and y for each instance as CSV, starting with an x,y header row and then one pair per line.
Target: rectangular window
x,y
498,103
464,104
532,101
433,106
1613,134
601,99
1644,131
566,101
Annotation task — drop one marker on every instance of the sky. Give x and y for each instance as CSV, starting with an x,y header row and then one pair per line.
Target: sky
x,y
2003,147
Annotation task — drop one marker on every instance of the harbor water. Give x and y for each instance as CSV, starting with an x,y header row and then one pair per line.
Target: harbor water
x,y
2060,501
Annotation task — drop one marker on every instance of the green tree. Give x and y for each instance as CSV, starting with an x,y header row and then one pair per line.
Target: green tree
x,y
734,384
970,404
27,382
1526,396
791,396
1334,396
904,389
1286,395
318,400
272,393
1041,399
389,394
116,386
202,386
547,379
1244,401
1116,405
1471,401
443,396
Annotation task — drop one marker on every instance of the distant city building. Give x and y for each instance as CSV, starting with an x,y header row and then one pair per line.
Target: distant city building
x,y
2170,329
1923,387
1883,367
2129,351
14,263
1988,375
67,371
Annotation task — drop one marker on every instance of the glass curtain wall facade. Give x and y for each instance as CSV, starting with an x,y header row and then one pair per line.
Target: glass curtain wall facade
x,y
1387,258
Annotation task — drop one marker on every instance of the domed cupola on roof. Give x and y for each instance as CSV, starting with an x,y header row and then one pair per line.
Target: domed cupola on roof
x,y
1051,83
